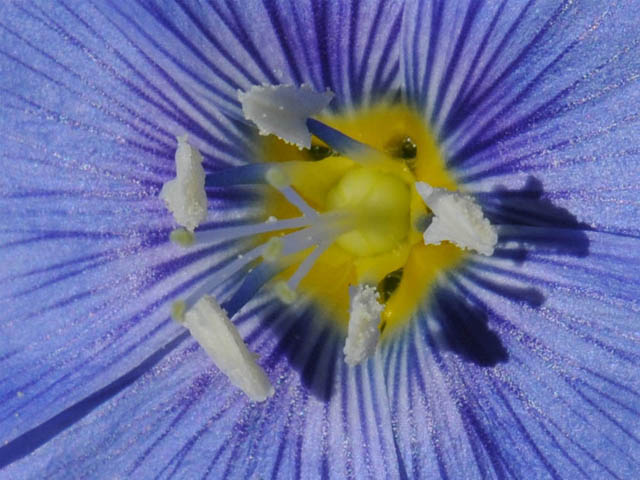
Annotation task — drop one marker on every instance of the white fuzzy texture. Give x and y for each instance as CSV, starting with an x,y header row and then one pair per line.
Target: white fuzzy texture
x,y
364,318
283,110
457,219
184,195
212,329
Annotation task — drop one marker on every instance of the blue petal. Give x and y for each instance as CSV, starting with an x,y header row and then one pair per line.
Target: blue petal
x,y
89,123
564,401
181,417
525,364
535,106
545,89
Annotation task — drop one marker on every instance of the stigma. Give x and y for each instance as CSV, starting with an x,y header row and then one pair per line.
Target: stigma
x,y
354,228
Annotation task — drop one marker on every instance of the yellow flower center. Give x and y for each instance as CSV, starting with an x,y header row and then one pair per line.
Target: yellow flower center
x,y
379,204
382,244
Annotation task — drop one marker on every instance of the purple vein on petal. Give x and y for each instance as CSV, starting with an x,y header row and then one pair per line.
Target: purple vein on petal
x,y
38,436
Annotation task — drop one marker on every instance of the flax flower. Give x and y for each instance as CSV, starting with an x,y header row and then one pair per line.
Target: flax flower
x,y
513,360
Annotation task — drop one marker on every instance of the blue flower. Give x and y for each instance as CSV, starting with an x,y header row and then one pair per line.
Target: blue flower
x,y
523,364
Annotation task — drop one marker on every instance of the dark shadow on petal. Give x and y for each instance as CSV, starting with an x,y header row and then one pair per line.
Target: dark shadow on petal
x,y
464,329
529,295
532,222
311,346
528,222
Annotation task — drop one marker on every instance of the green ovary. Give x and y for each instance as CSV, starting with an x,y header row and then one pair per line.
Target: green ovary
x,y
379,203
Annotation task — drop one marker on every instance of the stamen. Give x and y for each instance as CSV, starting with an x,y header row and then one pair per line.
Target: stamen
x,y
277,178
325,229
307,264
364,318
272,249
212,329
368,209
241,175
281,110
234,233
178,309
184,195
297,201
251,284
458,219
286,111
222,275
357,151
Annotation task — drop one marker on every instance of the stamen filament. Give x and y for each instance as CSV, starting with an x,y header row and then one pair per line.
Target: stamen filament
x,y
242,175
307,264
251,284
217,278
297,201
326,229
234,233
355,150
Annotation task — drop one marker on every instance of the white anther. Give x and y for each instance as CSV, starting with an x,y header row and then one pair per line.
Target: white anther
x,y
185,196
458,219
364,318
283,110
212,329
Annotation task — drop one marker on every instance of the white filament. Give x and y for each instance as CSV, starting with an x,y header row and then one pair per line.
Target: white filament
x,y
307,264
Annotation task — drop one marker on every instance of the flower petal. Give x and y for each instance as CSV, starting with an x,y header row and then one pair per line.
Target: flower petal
x,y
88,123
535,107
92,97
570,371
182,416
536,88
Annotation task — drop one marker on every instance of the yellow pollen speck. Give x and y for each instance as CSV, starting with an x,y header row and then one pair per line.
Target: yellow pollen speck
x,y
182,237
178,309
273,249
277,178
285,293
384,206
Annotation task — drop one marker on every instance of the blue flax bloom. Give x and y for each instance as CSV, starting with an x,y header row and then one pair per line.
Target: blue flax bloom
x,y
523,364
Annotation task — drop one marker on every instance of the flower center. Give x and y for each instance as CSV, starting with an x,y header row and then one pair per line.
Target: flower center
x,y
357,208
384,245
379,203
